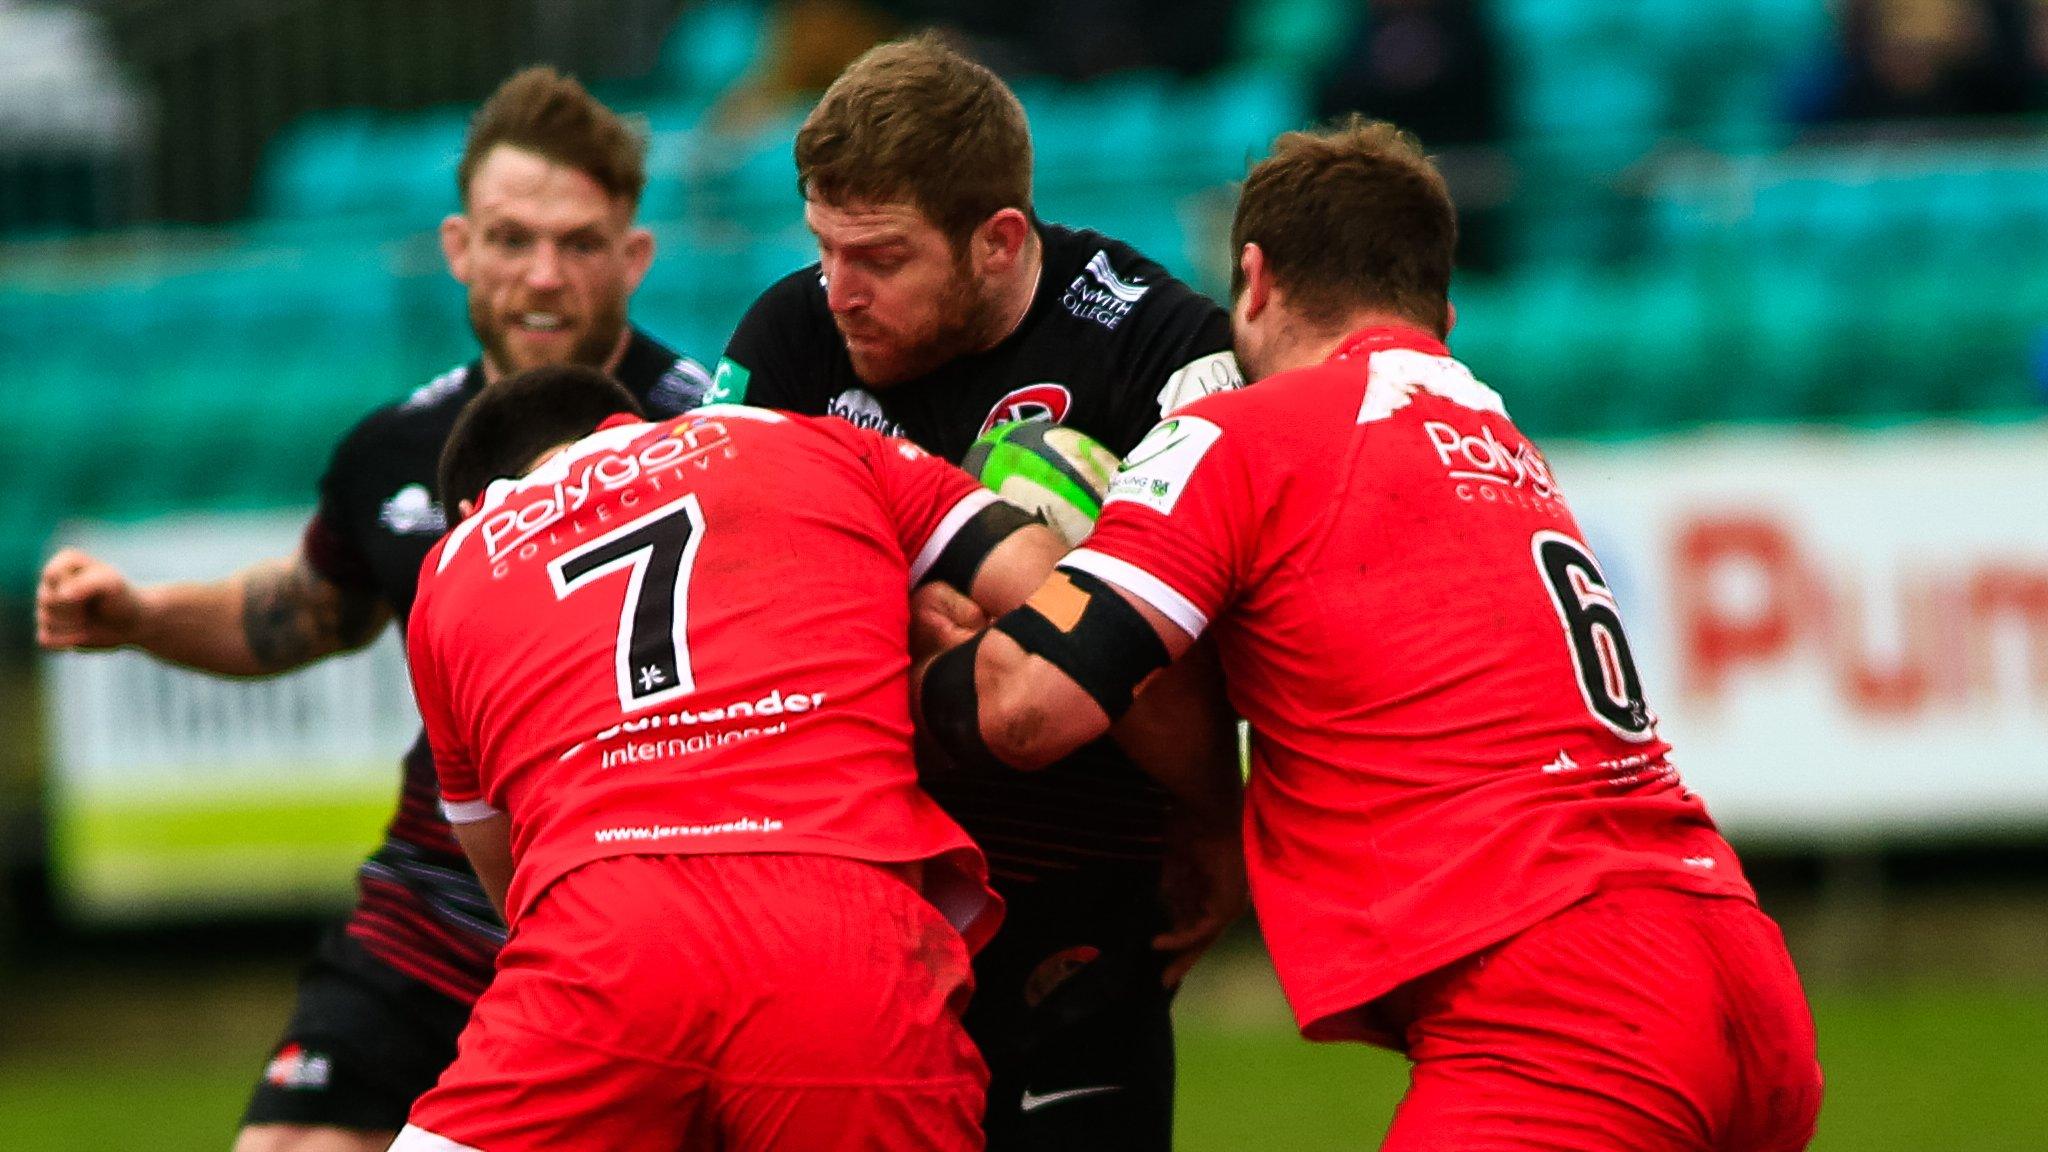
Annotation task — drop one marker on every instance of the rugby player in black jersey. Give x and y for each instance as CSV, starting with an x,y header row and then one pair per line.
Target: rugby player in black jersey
x,y
941,307
547,248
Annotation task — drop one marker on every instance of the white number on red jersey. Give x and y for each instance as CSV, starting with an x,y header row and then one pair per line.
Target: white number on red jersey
x,y
657,551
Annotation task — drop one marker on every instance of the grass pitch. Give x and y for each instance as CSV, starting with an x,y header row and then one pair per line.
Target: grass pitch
x,y
100,1064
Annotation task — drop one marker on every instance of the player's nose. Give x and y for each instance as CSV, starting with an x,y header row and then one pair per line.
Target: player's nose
x,y
544,267
843,291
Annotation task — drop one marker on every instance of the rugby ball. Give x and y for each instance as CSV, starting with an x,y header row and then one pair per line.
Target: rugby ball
x,y
1044,468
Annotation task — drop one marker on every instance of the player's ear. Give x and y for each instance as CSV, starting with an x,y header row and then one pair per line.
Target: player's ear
x,y
1258,281
464,509
1001,238
455,245
639,249
1450,318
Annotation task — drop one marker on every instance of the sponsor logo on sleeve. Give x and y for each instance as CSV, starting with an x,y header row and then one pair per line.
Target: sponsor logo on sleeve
x,y
295,1067
1042,401
1156,472
1099,294
1203,376
728,384
411,511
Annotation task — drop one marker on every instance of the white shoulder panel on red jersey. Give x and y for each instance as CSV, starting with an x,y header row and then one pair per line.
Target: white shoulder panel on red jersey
x,y
1396,374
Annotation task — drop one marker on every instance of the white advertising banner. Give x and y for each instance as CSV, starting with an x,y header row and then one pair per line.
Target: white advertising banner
x,y
1844,633
173,792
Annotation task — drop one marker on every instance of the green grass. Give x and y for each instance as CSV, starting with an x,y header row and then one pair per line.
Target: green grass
x,y
1913,1066
1909,1069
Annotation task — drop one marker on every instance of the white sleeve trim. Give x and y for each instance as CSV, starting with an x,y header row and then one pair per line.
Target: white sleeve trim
x,y
411,1139
1142,584
949,527
468,811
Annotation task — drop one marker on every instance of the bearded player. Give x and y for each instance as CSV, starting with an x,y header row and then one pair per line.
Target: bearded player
x,y
548,250
941,306
1466,840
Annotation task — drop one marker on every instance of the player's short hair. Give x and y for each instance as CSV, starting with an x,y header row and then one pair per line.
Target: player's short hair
x,y
1349,217
541,111
914,121
504,427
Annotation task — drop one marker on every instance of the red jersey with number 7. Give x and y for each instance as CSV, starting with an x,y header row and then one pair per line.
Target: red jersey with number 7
x,y
1450,739
691,637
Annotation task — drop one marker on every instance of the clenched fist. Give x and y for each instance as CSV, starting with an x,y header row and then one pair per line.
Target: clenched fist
x,y
941,618
83,602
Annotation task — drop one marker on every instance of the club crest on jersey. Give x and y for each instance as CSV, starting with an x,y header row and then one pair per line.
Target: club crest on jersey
x,y
1044,401
1099,294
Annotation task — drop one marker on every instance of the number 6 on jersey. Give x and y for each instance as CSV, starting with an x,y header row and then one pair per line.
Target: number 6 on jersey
x,y
652,659
1606,669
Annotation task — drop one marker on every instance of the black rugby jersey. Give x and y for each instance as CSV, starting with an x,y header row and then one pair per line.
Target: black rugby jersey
x,y
419,907
1110,344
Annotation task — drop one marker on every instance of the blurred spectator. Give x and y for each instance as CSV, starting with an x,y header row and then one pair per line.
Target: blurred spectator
x,y
808,43
1933,59
69,121
811,41
1433,67
1083,39
1430,66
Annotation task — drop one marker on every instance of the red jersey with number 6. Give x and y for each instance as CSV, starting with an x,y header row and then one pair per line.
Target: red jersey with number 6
x,y
1451,741
691,637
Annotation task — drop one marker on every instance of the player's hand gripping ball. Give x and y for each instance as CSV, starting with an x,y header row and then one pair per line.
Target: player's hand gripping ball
x,y
1041,467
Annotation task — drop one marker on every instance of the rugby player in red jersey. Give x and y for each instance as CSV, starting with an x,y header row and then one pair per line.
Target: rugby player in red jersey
x,y
664,678
1465,839
548,251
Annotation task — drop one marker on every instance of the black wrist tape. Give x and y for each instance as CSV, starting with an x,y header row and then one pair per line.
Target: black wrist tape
x,y
1085,628
952,708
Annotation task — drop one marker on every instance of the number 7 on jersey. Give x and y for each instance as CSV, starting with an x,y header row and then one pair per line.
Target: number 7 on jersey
x,y
657,551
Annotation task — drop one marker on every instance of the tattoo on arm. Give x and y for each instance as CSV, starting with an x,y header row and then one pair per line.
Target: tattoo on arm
x,y
292,617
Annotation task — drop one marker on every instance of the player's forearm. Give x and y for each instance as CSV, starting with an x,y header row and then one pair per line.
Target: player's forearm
x,y
488,844
1181,732
272,617
197,625
1031,713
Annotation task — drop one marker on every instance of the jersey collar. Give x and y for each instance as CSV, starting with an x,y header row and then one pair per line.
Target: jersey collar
x,y
1383,337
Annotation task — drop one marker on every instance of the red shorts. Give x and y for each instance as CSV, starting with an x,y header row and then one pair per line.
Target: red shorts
x,y
658,1003
1640,1020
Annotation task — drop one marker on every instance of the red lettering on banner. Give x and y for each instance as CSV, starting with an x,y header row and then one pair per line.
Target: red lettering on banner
x,y
1719,637
2000,591
1749,601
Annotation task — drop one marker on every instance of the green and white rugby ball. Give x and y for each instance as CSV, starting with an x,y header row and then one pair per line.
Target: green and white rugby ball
x,y
1045,468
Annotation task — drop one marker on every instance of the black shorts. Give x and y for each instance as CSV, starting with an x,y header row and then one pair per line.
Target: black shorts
x,y
1070,1015
364,1041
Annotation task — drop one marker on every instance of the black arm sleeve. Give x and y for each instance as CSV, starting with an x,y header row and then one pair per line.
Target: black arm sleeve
x,y
330,545
963,554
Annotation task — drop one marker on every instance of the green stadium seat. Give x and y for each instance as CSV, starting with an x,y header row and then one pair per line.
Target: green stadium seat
x,y
712,45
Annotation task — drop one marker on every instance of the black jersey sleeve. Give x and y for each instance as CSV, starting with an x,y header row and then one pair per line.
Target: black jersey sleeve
x,y
765,361
329,544
1180,352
